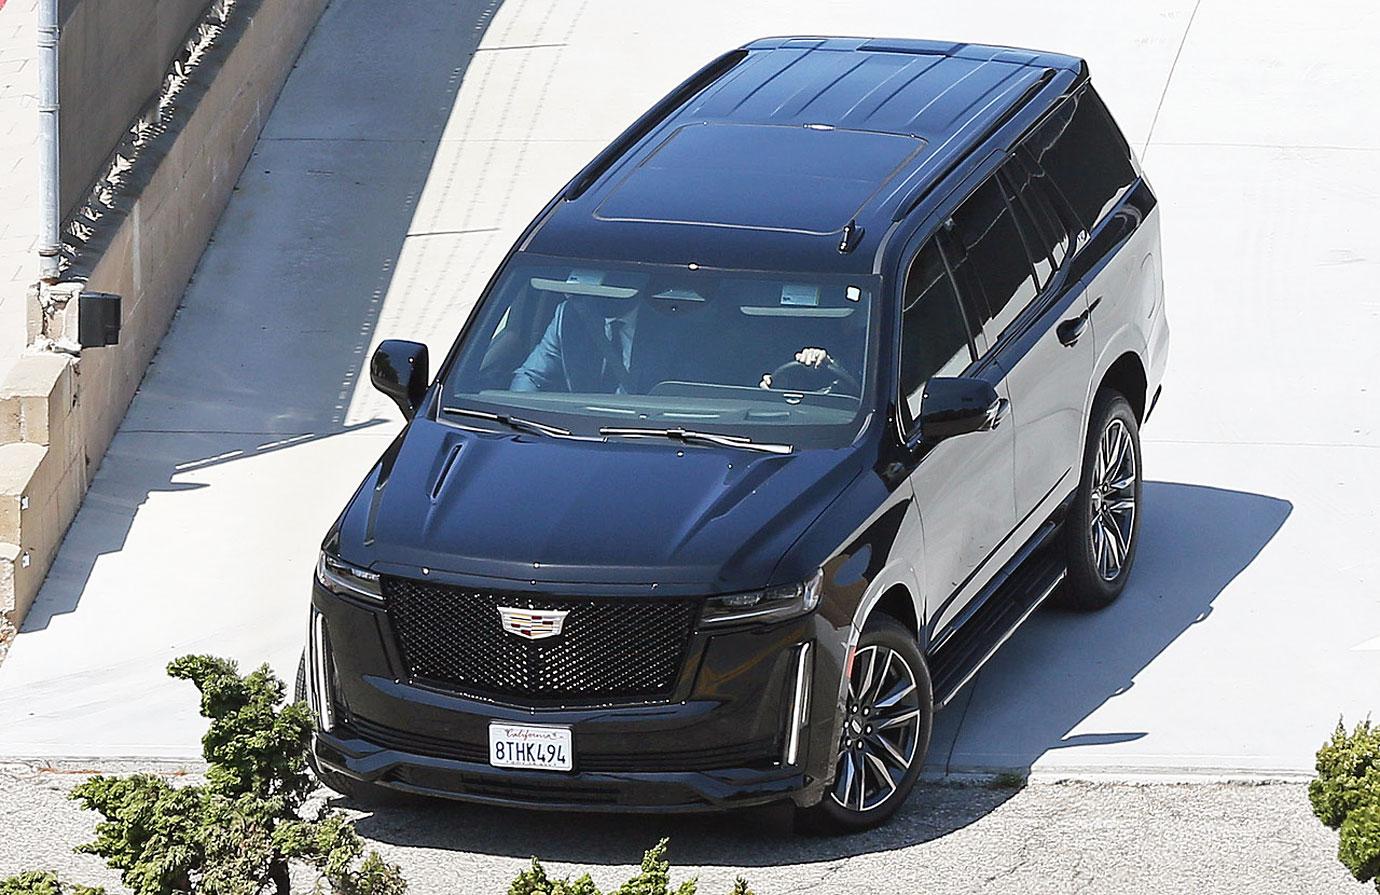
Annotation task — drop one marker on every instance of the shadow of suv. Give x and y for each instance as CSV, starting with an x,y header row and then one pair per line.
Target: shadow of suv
x,y
776,422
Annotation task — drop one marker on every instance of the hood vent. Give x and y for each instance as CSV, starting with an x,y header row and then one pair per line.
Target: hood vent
x,y
446,467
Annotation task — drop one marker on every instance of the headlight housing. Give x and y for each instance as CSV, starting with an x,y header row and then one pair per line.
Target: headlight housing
x,y
772,604
343,579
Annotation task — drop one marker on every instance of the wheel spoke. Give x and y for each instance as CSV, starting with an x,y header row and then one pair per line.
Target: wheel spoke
x,y
1118,448
865,687
1122,545
891,751
1124,505
1122,484
881,680
890,721
846,776
1114,549
880,767
901,691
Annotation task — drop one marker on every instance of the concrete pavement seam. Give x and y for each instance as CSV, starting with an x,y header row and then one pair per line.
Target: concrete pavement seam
x,y
1150,134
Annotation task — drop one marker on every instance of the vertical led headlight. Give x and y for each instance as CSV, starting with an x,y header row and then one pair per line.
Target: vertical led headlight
x,y
319,673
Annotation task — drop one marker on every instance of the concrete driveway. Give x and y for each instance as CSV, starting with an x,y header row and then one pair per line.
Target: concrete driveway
x,y
413,142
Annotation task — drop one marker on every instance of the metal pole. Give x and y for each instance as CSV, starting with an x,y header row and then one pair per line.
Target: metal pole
x,y
50,213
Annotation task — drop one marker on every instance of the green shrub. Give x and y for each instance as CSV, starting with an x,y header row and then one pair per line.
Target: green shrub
x,y
41,882
239,832
653,879
1346,797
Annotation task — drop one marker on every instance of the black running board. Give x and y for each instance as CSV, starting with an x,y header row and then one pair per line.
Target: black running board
x,y
960,656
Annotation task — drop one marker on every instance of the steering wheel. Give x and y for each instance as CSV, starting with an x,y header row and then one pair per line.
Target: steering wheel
x,y
797,377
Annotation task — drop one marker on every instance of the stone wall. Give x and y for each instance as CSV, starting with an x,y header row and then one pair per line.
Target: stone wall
x,y
112,58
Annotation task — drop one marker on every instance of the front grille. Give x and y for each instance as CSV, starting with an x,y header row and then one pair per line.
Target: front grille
x,y
451,637
763,753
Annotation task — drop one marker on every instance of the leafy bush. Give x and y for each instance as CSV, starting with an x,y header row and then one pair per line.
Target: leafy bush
x,y
1346,797
654,879
239,832
36,882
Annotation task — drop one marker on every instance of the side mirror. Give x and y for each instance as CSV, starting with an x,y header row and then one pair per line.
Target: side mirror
x,y
957,406
399,370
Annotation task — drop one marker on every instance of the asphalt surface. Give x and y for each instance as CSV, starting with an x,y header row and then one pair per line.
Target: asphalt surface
x,y
1118,839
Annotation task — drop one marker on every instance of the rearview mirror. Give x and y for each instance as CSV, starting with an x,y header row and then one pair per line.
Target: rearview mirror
x,y
399,370
957,406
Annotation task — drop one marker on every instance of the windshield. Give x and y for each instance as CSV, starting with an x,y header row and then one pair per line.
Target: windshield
x,y
589,345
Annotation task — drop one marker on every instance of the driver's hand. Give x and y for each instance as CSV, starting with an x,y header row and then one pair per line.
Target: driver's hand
x,y
812,357
766,381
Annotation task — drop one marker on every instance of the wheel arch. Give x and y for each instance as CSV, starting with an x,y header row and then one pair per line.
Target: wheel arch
x,y
1126,375
898,603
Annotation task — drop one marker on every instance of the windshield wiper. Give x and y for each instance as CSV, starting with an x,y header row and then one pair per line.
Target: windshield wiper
x,y
689,437
512,422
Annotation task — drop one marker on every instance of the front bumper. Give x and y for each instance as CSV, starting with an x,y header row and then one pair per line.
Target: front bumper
x,y
724,739
657,791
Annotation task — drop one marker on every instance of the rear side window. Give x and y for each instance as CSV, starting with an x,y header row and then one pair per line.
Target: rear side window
x,y
1046,237
987,249
934,337
1082,149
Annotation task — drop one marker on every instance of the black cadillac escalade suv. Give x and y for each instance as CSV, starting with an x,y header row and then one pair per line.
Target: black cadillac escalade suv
x,y
771,428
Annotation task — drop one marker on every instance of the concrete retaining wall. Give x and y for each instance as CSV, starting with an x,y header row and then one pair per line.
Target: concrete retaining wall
x,y
58,412
112,55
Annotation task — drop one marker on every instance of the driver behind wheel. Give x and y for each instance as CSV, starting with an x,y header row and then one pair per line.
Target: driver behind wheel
x,y
813,370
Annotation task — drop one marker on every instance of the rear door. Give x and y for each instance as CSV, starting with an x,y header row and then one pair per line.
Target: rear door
x,y
1048,352
1010,248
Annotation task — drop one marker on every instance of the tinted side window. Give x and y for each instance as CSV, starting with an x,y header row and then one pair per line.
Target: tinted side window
x,y
1084,152
988,246
1046,237
934,337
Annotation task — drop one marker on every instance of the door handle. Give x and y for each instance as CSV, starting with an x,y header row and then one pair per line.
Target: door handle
x,y
1071,330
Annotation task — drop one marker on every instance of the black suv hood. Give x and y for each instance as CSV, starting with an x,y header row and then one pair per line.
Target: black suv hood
x,y
531,508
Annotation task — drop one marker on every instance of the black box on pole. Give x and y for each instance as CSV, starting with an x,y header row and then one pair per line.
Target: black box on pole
x,y
98,319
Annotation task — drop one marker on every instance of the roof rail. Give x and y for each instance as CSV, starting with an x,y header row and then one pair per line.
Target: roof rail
x,y
930,183
649,120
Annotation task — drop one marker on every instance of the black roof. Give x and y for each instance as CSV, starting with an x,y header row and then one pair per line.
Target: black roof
x,y
763,158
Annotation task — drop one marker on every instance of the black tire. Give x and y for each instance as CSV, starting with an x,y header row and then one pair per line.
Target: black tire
x,y
1096,535
831,816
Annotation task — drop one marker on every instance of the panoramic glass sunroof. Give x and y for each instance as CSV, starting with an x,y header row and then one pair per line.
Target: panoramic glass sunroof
x,y
803,179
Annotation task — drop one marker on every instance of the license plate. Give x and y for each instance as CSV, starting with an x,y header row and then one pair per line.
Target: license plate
x,y
529,746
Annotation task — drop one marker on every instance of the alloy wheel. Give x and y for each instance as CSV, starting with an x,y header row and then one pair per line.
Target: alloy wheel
x,y
1113,500
881,729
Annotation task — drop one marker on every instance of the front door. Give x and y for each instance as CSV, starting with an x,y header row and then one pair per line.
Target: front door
x,y
962,485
